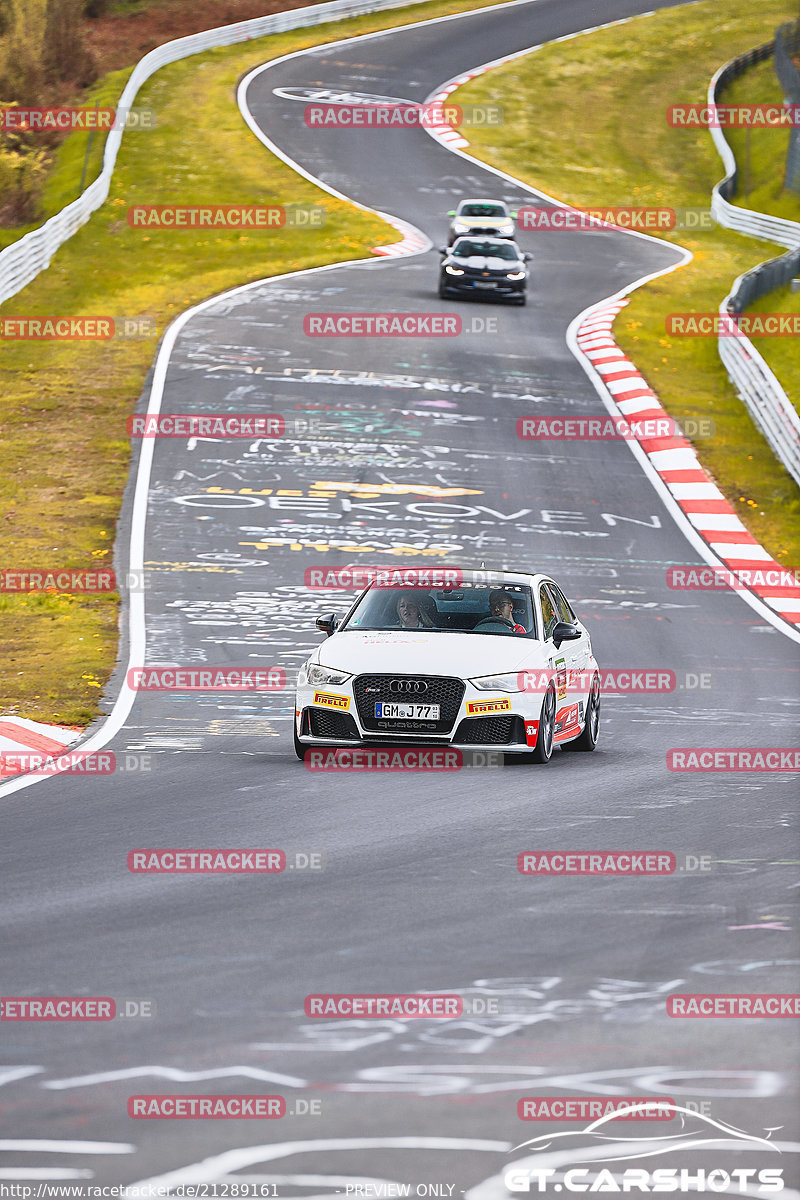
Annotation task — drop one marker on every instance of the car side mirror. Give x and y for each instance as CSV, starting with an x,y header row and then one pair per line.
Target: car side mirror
x,y
442,249
515,215
564,631
527,256
327,624
452,214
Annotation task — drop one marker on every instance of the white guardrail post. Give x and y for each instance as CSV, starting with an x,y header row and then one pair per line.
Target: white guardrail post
x,y
23,260
759,389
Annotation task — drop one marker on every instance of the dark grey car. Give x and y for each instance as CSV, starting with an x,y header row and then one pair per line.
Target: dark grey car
x,y
484,267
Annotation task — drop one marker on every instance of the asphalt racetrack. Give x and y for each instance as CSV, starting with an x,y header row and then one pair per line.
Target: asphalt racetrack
x,y
391,444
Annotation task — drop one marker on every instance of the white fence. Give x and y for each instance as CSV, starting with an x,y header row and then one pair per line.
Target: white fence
x,y
766,401
23,260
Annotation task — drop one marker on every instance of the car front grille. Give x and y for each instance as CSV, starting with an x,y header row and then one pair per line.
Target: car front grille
x,y
446,692
332,725
489,731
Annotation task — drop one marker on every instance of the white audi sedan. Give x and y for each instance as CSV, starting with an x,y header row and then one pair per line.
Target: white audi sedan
x,y
494,660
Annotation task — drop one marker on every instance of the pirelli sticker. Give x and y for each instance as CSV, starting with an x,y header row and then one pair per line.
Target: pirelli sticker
x,y
482,707
326,700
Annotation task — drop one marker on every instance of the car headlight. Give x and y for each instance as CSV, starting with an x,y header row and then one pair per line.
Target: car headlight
x,y
454,270
515,275
498,683
460,225
322,676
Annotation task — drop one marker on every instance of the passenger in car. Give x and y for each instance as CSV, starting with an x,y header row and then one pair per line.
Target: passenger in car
x,y
411,613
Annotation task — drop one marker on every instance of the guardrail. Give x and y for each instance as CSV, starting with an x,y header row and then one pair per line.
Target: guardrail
x,y
758,387
22,261
766,401
787,45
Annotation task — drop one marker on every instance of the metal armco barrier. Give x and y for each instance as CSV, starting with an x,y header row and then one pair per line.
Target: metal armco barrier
x,y
759,389
23,260
787,45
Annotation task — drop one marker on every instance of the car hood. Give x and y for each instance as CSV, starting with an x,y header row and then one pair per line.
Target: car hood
x,y
412,651
480,262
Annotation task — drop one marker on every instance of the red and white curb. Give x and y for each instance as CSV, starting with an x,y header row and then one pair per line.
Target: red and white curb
x,y
444,132
676,462
19,736
413,240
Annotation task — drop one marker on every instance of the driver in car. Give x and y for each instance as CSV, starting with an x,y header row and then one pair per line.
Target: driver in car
x,y
411,614
501,614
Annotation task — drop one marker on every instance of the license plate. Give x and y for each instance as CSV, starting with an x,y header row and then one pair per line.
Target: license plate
x,y
417,712
489,284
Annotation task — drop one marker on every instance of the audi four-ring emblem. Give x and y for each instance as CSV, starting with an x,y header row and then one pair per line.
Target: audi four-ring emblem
x,y
408,685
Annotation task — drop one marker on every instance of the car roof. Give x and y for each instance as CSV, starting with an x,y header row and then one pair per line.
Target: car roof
x,y
489,575
482,237
481,200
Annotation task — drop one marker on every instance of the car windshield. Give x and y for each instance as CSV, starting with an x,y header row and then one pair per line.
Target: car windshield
x,y
482,210
467,248
467,608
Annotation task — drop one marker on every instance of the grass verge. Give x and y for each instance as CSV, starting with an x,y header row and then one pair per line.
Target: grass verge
x,y
64,453
625,77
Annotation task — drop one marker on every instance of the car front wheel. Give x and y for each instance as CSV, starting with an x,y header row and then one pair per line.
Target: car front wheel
x,y
591,730
299,748
543,750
